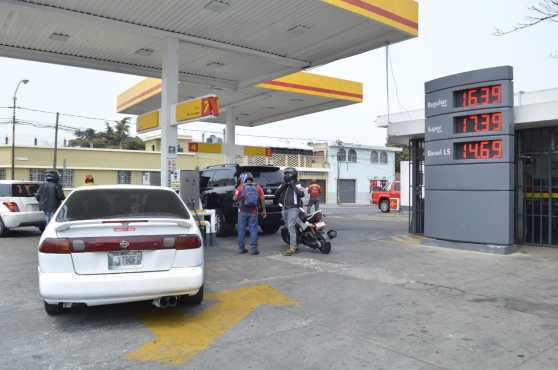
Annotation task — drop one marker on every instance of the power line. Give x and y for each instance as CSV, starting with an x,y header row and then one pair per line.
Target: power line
x,y
66,114
397,88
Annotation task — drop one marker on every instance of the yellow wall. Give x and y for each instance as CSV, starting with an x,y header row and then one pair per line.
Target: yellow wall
x,y
102,164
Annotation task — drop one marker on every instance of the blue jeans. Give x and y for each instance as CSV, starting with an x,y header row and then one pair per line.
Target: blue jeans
x,y
49,216
247,218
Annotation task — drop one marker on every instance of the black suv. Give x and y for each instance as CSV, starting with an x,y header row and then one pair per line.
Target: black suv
x,y
217,185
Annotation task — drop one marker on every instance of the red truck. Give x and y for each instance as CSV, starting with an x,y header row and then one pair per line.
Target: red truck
x,y
381,198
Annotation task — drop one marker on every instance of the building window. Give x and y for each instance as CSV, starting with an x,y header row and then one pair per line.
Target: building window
x,y
383,157
341,155
374,156
36,174
152,148
124,177
66,176
2,174
352,155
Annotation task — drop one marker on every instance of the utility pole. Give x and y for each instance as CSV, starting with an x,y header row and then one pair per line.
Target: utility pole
x,y
56,141
24,81
13,136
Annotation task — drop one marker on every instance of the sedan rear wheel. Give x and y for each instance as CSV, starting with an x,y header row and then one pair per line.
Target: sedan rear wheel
x,y
3,229
53,309
193,300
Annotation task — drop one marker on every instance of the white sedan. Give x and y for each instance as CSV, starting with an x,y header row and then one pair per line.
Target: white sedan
x,y
18,206
116,244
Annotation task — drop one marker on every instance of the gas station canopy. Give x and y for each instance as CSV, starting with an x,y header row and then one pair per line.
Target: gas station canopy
x,y
224,44
285,97
238,49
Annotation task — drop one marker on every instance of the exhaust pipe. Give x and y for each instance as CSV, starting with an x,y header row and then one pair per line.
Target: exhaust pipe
x,y
172,301
165,302
161,302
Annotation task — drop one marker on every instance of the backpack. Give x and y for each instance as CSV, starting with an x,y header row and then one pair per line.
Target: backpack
x,y
250,196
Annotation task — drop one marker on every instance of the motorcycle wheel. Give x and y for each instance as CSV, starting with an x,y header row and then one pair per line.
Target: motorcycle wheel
x,y
326,248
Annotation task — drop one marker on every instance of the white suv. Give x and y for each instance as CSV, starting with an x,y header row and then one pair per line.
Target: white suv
x,y
18,206
116,244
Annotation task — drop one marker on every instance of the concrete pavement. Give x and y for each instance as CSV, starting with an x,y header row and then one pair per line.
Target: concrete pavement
x,y
380,300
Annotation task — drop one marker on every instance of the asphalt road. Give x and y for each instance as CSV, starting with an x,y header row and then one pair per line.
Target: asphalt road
x,y
380,300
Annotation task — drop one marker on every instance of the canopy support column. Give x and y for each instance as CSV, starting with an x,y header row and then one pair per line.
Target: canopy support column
x,y
230,145
169,97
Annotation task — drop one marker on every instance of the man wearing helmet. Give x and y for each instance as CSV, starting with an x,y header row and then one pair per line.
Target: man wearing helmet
x,y
290,195
50,194
250,196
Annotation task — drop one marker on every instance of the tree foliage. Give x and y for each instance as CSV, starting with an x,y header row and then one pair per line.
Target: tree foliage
x,y
115,137
543,11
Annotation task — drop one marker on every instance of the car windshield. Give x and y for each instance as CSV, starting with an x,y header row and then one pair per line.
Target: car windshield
x,y
265,177
121,203
24,189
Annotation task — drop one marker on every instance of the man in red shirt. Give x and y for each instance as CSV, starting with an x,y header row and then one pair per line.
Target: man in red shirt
x,y
250,196
314,191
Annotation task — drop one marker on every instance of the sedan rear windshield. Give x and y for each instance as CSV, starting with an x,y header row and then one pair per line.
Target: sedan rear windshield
x,y
122,203
24,189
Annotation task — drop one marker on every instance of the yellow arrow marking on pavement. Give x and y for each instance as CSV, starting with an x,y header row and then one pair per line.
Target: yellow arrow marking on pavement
x,y
180,336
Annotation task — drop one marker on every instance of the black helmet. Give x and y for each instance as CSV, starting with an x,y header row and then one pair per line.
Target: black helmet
x,y
245,176
52,176
290,174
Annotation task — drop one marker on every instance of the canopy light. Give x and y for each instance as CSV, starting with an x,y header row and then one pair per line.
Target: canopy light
x,y
214,65
144,51
299,29
297,100
57,36
217,6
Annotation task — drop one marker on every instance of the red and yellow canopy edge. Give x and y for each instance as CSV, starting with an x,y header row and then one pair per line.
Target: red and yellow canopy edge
x,y
300,82
400,14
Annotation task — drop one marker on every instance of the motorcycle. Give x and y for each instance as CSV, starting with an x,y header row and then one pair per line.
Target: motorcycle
x,y
310,231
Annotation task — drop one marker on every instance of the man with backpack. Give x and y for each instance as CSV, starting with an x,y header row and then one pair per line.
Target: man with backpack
x,y
250,196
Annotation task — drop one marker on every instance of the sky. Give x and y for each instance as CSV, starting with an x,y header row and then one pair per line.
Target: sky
x,y
455,36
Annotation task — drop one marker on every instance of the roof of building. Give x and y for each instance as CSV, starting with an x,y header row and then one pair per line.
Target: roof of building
x,y
365,147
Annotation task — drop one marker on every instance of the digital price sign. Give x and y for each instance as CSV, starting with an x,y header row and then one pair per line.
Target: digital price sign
x,y
475,123
482,149
469,157
478,96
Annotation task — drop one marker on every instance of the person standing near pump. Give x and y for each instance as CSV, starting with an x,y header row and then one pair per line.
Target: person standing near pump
x,y
290,195
89,180
50,194
250,196
314,192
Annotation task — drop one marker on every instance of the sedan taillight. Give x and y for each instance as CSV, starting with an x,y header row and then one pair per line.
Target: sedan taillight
x,y
187,242
110,244
12,206
55,246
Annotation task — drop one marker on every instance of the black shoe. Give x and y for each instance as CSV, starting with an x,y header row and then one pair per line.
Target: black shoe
x,y
242,251
255,252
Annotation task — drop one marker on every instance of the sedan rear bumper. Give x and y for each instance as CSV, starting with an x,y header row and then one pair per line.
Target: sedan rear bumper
x,y
96,290
17,219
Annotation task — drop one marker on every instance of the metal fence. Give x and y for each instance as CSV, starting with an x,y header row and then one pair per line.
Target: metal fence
x,y
285,160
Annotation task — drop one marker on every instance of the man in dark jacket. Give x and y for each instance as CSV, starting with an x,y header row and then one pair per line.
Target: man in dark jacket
x,y
50,195
290,195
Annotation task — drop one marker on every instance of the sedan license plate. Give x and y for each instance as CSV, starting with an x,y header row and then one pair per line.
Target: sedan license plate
x,y
127,259
269,202
320,225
